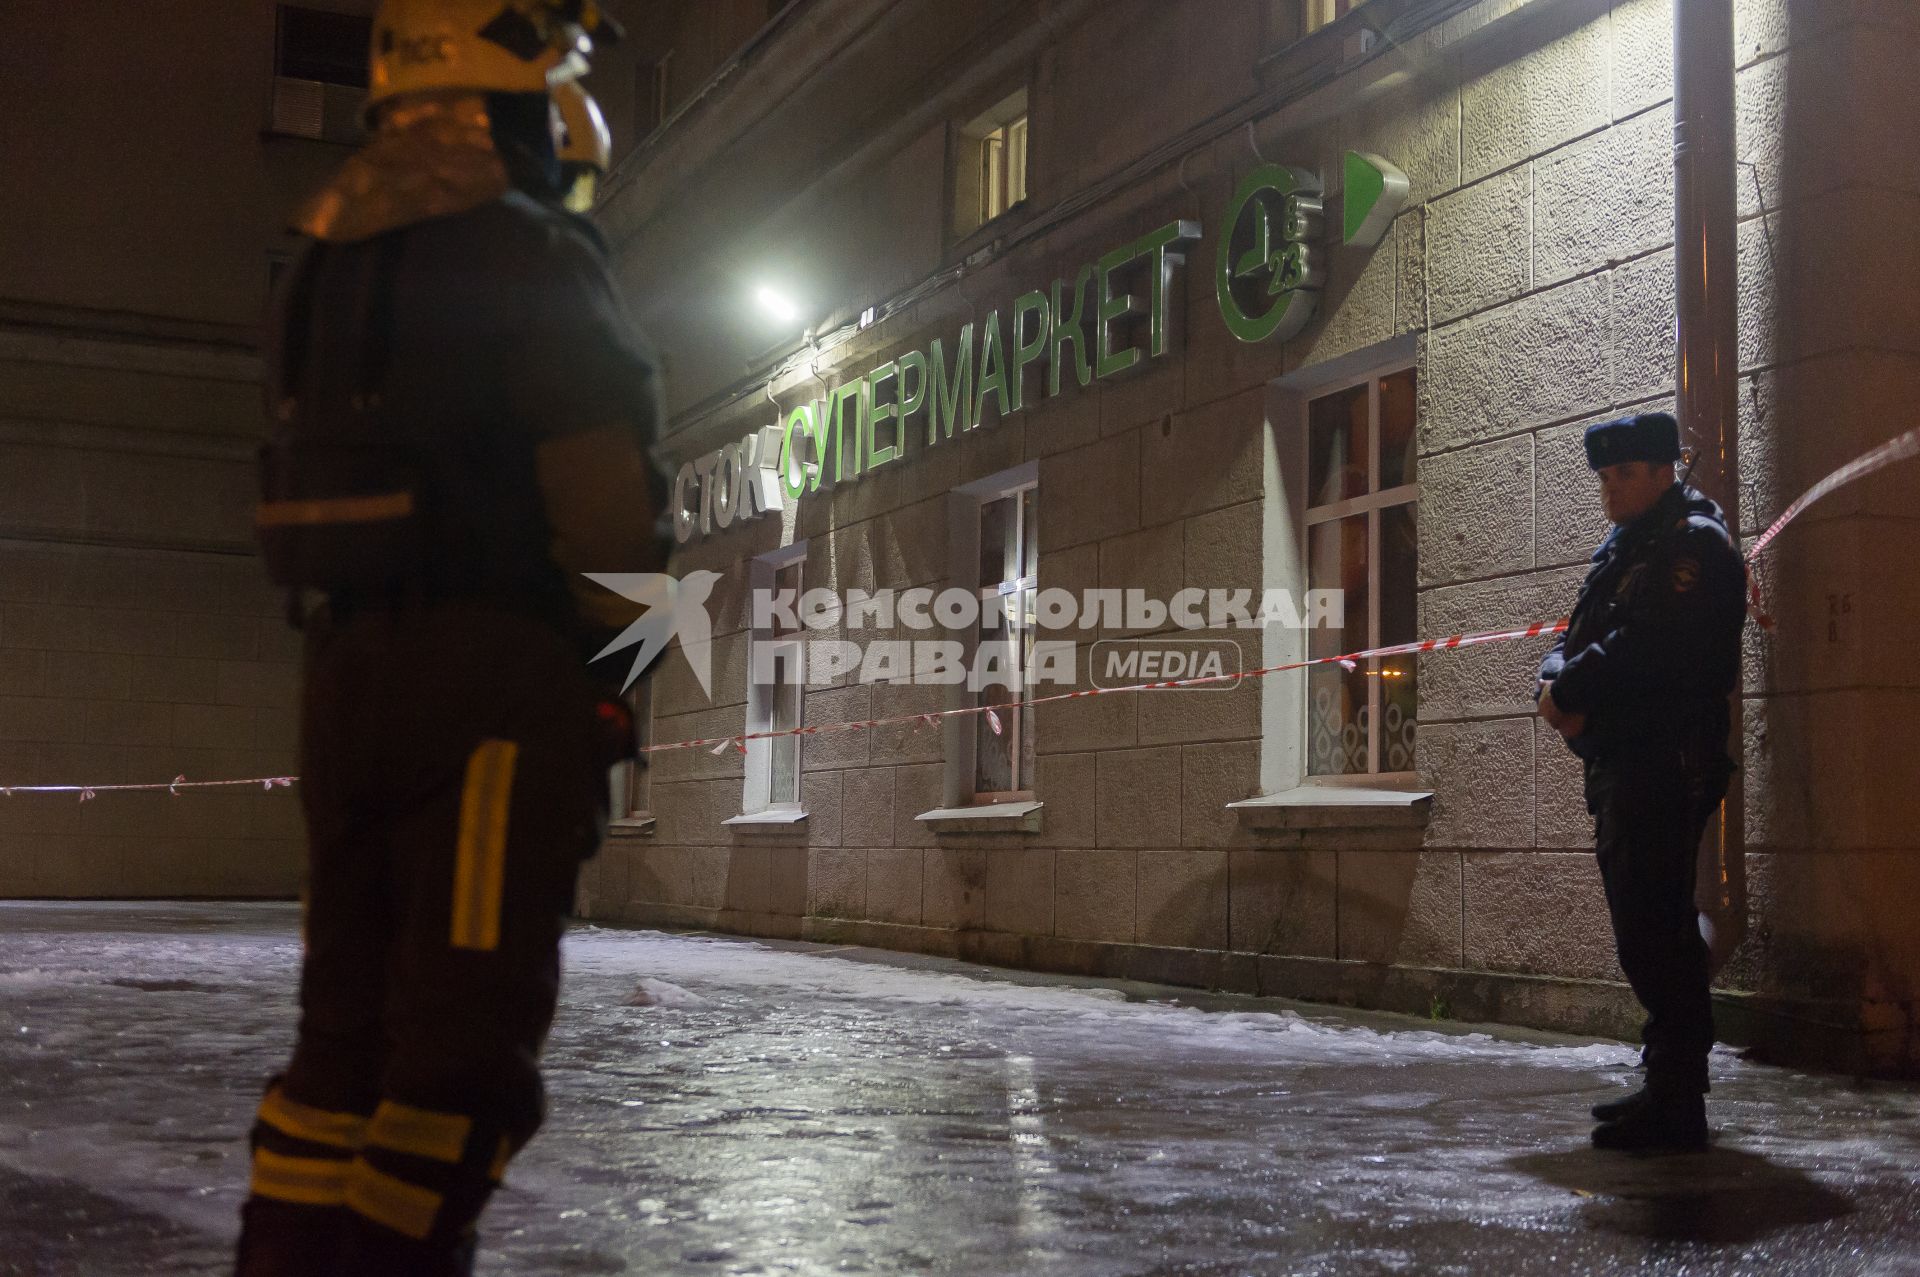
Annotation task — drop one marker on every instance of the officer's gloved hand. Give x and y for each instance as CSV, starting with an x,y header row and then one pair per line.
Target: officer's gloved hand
x,y
1568,725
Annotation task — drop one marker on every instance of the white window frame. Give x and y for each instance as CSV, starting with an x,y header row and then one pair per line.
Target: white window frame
x,y
1371,505
757,791
1283,556
1003,129
1317,15
969,500
630,792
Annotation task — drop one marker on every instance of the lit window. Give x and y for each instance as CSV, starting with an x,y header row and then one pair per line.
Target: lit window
x,y
1008,582
1320,13
776,684
990,175
1362,492
1003,169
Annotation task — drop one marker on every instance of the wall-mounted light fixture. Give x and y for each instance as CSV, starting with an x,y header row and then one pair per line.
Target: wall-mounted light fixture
x,y
777,305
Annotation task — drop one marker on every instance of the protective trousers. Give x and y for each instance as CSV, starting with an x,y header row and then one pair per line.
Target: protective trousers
x,y
453,781
1649,817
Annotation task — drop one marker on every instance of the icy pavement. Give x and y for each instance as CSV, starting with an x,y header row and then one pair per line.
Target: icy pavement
x,y
723,1106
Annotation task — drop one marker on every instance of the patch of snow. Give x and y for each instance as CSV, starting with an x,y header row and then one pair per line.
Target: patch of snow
x,y
659,993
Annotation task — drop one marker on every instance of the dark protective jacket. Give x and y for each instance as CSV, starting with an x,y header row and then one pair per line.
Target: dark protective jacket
x,y
488,351
1652,651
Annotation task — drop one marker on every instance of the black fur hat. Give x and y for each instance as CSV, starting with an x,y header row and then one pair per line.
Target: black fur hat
x,y
1650,436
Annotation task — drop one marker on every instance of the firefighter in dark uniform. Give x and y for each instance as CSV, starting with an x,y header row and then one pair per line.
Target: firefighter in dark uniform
x,y
461,417
1639,687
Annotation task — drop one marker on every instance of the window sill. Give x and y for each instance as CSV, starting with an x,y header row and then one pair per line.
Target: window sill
x,y
988,818
982,238
1308,807
340,143
638,825
1350,40
777,821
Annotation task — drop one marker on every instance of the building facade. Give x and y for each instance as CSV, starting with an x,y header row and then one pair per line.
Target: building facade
x,y
153,165
1028,300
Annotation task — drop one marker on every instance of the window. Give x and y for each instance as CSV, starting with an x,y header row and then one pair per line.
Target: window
x,y
319,73
652,83
1003,169
990,164
632,783
1320,13
776,685
1361,538
1008,582
314,44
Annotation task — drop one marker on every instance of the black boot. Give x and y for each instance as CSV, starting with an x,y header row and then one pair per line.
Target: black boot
x,y
1614,1110
373,1251
1666,1121
280,1239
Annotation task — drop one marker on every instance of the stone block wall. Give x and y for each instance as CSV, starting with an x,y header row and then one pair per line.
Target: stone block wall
x,y
1531,276
138,638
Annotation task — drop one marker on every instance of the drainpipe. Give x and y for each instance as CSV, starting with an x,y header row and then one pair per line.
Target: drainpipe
x,y
1706,262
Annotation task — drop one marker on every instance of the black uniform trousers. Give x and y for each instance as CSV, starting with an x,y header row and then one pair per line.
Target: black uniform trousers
x,y
1649,815
453,781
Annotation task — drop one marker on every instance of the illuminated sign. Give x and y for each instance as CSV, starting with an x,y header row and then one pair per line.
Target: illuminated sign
x,y
1100,324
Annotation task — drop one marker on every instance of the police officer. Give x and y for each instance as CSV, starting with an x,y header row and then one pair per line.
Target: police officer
x,y
461,416
1639,687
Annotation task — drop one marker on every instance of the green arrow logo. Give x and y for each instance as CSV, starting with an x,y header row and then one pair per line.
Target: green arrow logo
x,y
1270,230
1375,192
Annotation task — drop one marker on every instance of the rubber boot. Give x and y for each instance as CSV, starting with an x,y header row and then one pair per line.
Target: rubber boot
x,y
280,1239
1667,1121
1614,1110
373,1251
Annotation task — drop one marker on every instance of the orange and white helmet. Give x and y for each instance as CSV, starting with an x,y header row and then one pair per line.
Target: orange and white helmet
x,y
585,145
481,46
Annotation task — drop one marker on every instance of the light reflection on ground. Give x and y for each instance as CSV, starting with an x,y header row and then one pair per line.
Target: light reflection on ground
x,y
729,1107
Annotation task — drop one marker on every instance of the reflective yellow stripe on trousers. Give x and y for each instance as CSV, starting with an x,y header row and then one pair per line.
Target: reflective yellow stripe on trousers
x,y
481,853
421,1132
305,1181
314,1125
406,1208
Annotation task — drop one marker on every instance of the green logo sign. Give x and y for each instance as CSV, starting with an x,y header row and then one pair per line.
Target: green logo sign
x,y
1267,273
1374,192
1103,320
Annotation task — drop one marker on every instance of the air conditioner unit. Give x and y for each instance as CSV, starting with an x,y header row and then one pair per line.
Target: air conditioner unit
x,y
311,108
299,107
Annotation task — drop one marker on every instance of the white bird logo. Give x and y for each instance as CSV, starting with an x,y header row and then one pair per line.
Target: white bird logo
x,y
673,607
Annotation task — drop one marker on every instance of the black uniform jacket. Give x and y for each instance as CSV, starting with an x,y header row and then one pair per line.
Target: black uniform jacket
x,y
509,368
1653,648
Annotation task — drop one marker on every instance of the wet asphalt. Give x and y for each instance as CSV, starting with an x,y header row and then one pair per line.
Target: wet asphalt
x,y
727,1106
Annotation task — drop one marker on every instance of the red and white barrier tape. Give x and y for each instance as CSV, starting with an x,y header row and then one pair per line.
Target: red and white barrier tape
x,y
173,786
993,711
719,744
1901,448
